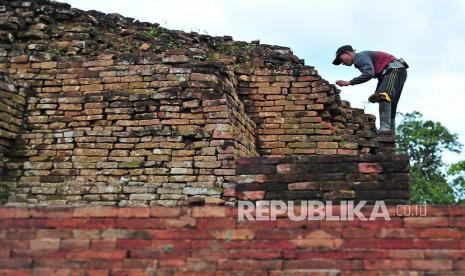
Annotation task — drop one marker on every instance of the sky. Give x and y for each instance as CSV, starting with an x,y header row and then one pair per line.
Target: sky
x,y
428,34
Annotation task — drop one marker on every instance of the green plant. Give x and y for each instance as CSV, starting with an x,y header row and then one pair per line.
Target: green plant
x,y
58,51
171,43
154,32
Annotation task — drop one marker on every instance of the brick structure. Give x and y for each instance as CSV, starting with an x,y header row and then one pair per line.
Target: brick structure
x,y
323,177
105,109
211,241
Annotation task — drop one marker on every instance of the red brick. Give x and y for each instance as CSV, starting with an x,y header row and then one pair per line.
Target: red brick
x,y
446,253
61,223
165,253
13,212
243,244
352,232
303,186
229,192
394,243
51,212
250,195
252,265
100,254
138,263
406,254
457,222
174,244
50,271
127,272
165,211
398,233
432,265
208,211
386,264
431,210
17,244
318,244
359,243
103,244
96,223
278,234
459,265
74,244
21,223
96,211
14,272
4,252
54,233
286,168
285,223
45,244
256,254
21,234
380,223
321,264
129,244
369,168
257,224
233,234
208,223
6,263
180,234
436,243
456,210
134,212
425,222
172,262
441,233
155,223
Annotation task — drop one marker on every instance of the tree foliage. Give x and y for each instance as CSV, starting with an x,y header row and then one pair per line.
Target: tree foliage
x,y
425,141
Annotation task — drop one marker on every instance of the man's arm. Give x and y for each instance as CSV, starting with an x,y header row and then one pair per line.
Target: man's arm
x,y
365,65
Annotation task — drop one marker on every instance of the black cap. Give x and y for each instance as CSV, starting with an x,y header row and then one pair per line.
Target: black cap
x,y
340,51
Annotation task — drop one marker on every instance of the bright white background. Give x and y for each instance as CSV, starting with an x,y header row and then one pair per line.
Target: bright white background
x,y
428,34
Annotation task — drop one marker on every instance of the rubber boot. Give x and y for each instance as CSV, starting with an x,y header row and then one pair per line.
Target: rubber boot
x,y
384,116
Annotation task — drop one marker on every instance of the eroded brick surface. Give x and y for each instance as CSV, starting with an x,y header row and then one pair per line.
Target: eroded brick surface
x,y
210,239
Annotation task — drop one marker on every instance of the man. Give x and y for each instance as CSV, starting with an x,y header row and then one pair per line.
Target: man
x,y
390,72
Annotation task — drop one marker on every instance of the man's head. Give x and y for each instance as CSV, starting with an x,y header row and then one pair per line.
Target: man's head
x,y
345,55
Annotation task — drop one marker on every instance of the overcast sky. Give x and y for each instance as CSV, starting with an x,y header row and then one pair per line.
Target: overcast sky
x,y
428,34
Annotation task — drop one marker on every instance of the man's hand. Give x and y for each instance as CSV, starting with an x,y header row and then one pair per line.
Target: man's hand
x,y
342,83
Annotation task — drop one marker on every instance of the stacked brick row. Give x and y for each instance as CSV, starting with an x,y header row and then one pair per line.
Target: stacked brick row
x,y
113,131
327,177
212,241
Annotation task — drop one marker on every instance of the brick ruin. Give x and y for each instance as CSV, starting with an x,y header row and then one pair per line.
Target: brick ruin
x,y
103,109
100,109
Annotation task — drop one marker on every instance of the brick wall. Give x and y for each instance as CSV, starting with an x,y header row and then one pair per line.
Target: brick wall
x,y
211,241
325,177
297,112
115,130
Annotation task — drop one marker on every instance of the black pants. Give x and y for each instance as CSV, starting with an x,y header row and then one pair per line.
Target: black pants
x,y
393,83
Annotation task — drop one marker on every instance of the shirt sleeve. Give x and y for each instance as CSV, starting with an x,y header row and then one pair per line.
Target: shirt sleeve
x,y
365,65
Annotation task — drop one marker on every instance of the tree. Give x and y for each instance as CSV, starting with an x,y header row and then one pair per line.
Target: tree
x,y
425,142
457,170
